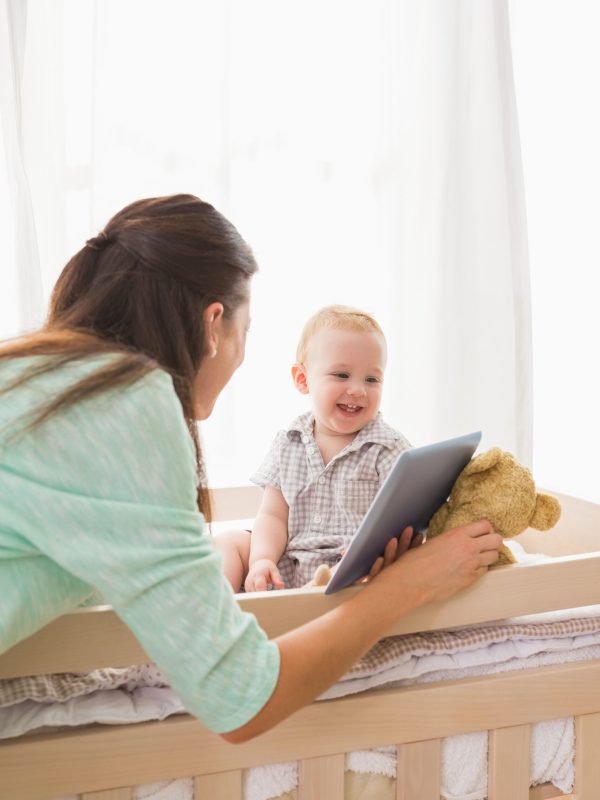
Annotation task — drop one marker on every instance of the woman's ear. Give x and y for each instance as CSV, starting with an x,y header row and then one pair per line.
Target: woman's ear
x,y
213,319
299,378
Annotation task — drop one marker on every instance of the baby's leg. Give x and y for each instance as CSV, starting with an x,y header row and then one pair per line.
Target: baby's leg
x,y
235,548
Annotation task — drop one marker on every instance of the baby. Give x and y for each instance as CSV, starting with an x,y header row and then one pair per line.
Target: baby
x,y
323,471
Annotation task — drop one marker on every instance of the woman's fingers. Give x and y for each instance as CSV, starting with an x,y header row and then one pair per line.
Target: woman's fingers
x,y
378,565
455,559
488,543
416,540
404,541
395,547
491,541
482,527
483,536
389,553
488,557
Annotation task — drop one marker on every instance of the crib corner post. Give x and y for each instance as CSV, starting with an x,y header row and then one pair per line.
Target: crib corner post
x,y
587,762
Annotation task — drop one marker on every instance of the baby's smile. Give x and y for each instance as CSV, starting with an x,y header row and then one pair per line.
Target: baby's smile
x,y
349,408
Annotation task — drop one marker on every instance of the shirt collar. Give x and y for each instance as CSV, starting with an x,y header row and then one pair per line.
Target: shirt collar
x,y
376,432
302,426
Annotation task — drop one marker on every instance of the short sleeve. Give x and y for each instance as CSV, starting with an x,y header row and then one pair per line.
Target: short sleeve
x,y
113,504
269,472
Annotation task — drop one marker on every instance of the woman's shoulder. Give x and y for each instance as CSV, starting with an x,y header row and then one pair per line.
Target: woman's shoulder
x,y
151,396
126,440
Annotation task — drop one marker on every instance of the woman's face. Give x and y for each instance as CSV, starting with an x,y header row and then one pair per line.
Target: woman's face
x,y
225,348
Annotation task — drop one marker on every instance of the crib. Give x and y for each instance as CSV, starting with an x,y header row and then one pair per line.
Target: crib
x,y
105,762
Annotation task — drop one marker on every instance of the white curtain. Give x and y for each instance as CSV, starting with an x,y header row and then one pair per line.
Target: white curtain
x,y
21,303
461,276
368,152
557,66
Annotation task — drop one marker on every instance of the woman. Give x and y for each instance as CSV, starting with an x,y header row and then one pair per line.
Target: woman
x,y
100,464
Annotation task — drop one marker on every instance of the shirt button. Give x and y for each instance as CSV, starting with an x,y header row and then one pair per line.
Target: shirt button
x,y
321,480
316,518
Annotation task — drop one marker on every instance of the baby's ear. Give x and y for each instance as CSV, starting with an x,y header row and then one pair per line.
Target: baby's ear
x,y
546,514
299,378
484,461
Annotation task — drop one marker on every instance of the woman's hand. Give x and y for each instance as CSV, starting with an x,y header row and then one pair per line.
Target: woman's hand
x,y
261,575
451,561
395,548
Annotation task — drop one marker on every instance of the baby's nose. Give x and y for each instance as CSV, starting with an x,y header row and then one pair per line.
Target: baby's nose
x,y
356,389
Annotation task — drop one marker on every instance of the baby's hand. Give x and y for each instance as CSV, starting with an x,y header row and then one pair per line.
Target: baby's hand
x,y
261,575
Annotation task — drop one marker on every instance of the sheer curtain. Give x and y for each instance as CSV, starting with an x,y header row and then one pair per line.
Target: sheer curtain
x,y
461,277
557,92
21,303
368,153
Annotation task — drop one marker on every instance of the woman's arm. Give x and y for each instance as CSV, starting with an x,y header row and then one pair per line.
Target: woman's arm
x,y
318,653
268,541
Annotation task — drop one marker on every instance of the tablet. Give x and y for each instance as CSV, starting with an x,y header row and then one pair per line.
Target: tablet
x,y
416,486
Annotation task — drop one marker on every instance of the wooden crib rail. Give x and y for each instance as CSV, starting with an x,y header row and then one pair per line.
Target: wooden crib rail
x,y
235,502
91,638
414,716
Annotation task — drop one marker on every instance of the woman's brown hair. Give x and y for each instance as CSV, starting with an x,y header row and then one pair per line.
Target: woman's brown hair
x,y
139,290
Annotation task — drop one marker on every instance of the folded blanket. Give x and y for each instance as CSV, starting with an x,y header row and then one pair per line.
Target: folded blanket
x,y
67,685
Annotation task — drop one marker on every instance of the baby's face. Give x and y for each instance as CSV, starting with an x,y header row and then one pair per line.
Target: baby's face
x,y
344,371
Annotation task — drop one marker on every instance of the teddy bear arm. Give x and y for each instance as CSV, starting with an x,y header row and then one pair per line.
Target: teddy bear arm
x,y
438,521
505,556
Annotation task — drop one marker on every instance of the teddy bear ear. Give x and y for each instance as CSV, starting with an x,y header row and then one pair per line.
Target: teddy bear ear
x,y
547,512
484,461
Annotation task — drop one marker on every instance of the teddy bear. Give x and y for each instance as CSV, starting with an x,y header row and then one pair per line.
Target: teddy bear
x,y
494,486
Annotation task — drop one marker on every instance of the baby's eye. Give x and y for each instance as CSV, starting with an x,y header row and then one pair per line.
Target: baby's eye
x,y
342,375
373,379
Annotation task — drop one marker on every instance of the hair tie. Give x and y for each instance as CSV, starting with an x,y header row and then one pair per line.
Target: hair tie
x,y
99,242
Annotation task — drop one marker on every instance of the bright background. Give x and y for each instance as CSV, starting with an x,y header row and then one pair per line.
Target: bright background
x,y
371,154
557,64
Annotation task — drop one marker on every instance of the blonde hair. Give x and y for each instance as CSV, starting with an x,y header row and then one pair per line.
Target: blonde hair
x,y
338,317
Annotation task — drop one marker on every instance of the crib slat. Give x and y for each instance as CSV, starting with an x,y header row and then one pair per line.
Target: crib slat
x,y
418,770
587,763
219,784
321,777
509,763
109,794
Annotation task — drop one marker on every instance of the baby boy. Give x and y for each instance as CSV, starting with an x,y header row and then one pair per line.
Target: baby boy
x,y
323,471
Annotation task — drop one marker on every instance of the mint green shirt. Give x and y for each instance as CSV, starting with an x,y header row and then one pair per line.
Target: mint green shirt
x,y
103,497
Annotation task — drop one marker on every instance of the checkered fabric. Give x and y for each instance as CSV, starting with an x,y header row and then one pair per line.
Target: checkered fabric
x,y
384,655
327,501
474,637
66,685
